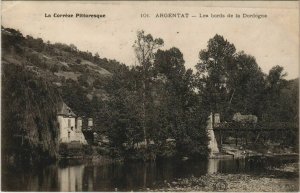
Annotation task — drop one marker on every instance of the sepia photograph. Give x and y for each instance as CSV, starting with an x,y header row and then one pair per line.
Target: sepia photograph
x,y
150,96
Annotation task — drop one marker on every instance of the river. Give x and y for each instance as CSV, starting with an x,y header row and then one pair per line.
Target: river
x,y
124,176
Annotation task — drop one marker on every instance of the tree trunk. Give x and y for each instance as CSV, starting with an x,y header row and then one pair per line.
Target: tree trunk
x,y
144,105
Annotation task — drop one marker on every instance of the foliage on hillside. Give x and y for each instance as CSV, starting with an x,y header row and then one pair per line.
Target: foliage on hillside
x,y
79,76
36,77
29,126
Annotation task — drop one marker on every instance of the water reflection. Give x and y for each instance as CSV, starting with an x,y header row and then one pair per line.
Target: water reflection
x,y
123,176
213,166
70,178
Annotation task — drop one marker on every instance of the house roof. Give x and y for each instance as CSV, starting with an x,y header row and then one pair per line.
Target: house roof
x,y
65,111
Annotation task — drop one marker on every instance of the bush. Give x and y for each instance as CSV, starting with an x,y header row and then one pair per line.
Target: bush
x,y
71,149
78,61
54,68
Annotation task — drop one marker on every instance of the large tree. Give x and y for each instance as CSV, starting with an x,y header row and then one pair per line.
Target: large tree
x,y
185,117
145,47
229,81
279,96
124,109
246,86
214,67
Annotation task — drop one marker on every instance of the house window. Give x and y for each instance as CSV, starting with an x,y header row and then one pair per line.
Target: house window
x,y
69,122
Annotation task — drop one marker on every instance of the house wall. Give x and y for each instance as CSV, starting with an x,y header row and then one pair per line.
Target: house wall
x,y
66,133
79,125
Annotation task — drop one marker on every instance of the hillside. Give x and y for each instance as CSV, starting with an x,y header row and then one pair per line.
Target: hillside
x,y
36,78
71,71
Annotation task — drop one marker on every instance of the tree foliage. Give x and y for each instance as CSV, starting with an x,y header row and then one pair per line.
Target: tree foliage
x,y
230,81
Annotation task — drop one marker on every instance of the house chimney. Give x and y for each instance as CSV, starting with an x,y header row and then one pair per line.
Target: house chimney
x,y
217,119
90,122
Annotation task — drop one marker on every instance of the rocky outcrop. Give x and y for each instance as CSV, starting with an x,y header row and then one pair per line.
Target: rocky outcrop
x,y
29,107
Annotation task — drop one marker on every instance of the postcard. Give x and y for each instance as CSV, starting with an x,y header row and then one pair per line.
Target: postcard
x,y
152,96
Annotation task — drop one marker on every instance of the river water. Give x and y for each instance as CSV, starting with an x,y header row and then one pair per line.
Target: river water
x,y
123,176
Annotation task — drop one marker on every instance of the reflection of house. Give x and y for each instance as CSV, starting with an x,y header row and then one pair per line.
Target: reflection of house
x,y
71,178
70,129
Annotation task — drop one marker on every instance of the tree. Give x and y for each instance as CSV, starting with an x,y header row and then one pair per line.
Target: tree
x,y
144,47
213,71
184,118
230,81
124,111
96,57
276,78
73,48
276,106
245,85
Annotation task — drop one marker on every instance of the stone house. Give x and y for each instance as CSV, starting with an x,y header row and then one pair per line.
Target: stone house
x,y
70,126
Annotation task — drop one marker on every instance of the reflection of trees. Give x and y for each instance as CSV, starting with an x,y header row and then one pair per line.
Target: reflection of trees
x,y
32,179
145,176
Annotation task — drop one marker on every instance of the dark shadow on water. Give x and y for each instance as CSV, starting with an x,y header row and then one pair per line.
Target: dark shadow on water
x,y
77,176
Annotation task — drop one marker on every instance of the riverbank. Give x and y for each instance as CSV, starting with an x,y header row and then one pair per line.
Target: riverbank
x,y
241,151
286,180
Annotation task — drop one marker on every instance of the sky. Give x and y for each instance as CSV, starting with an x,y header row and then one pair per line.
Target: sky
x,y
273,40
